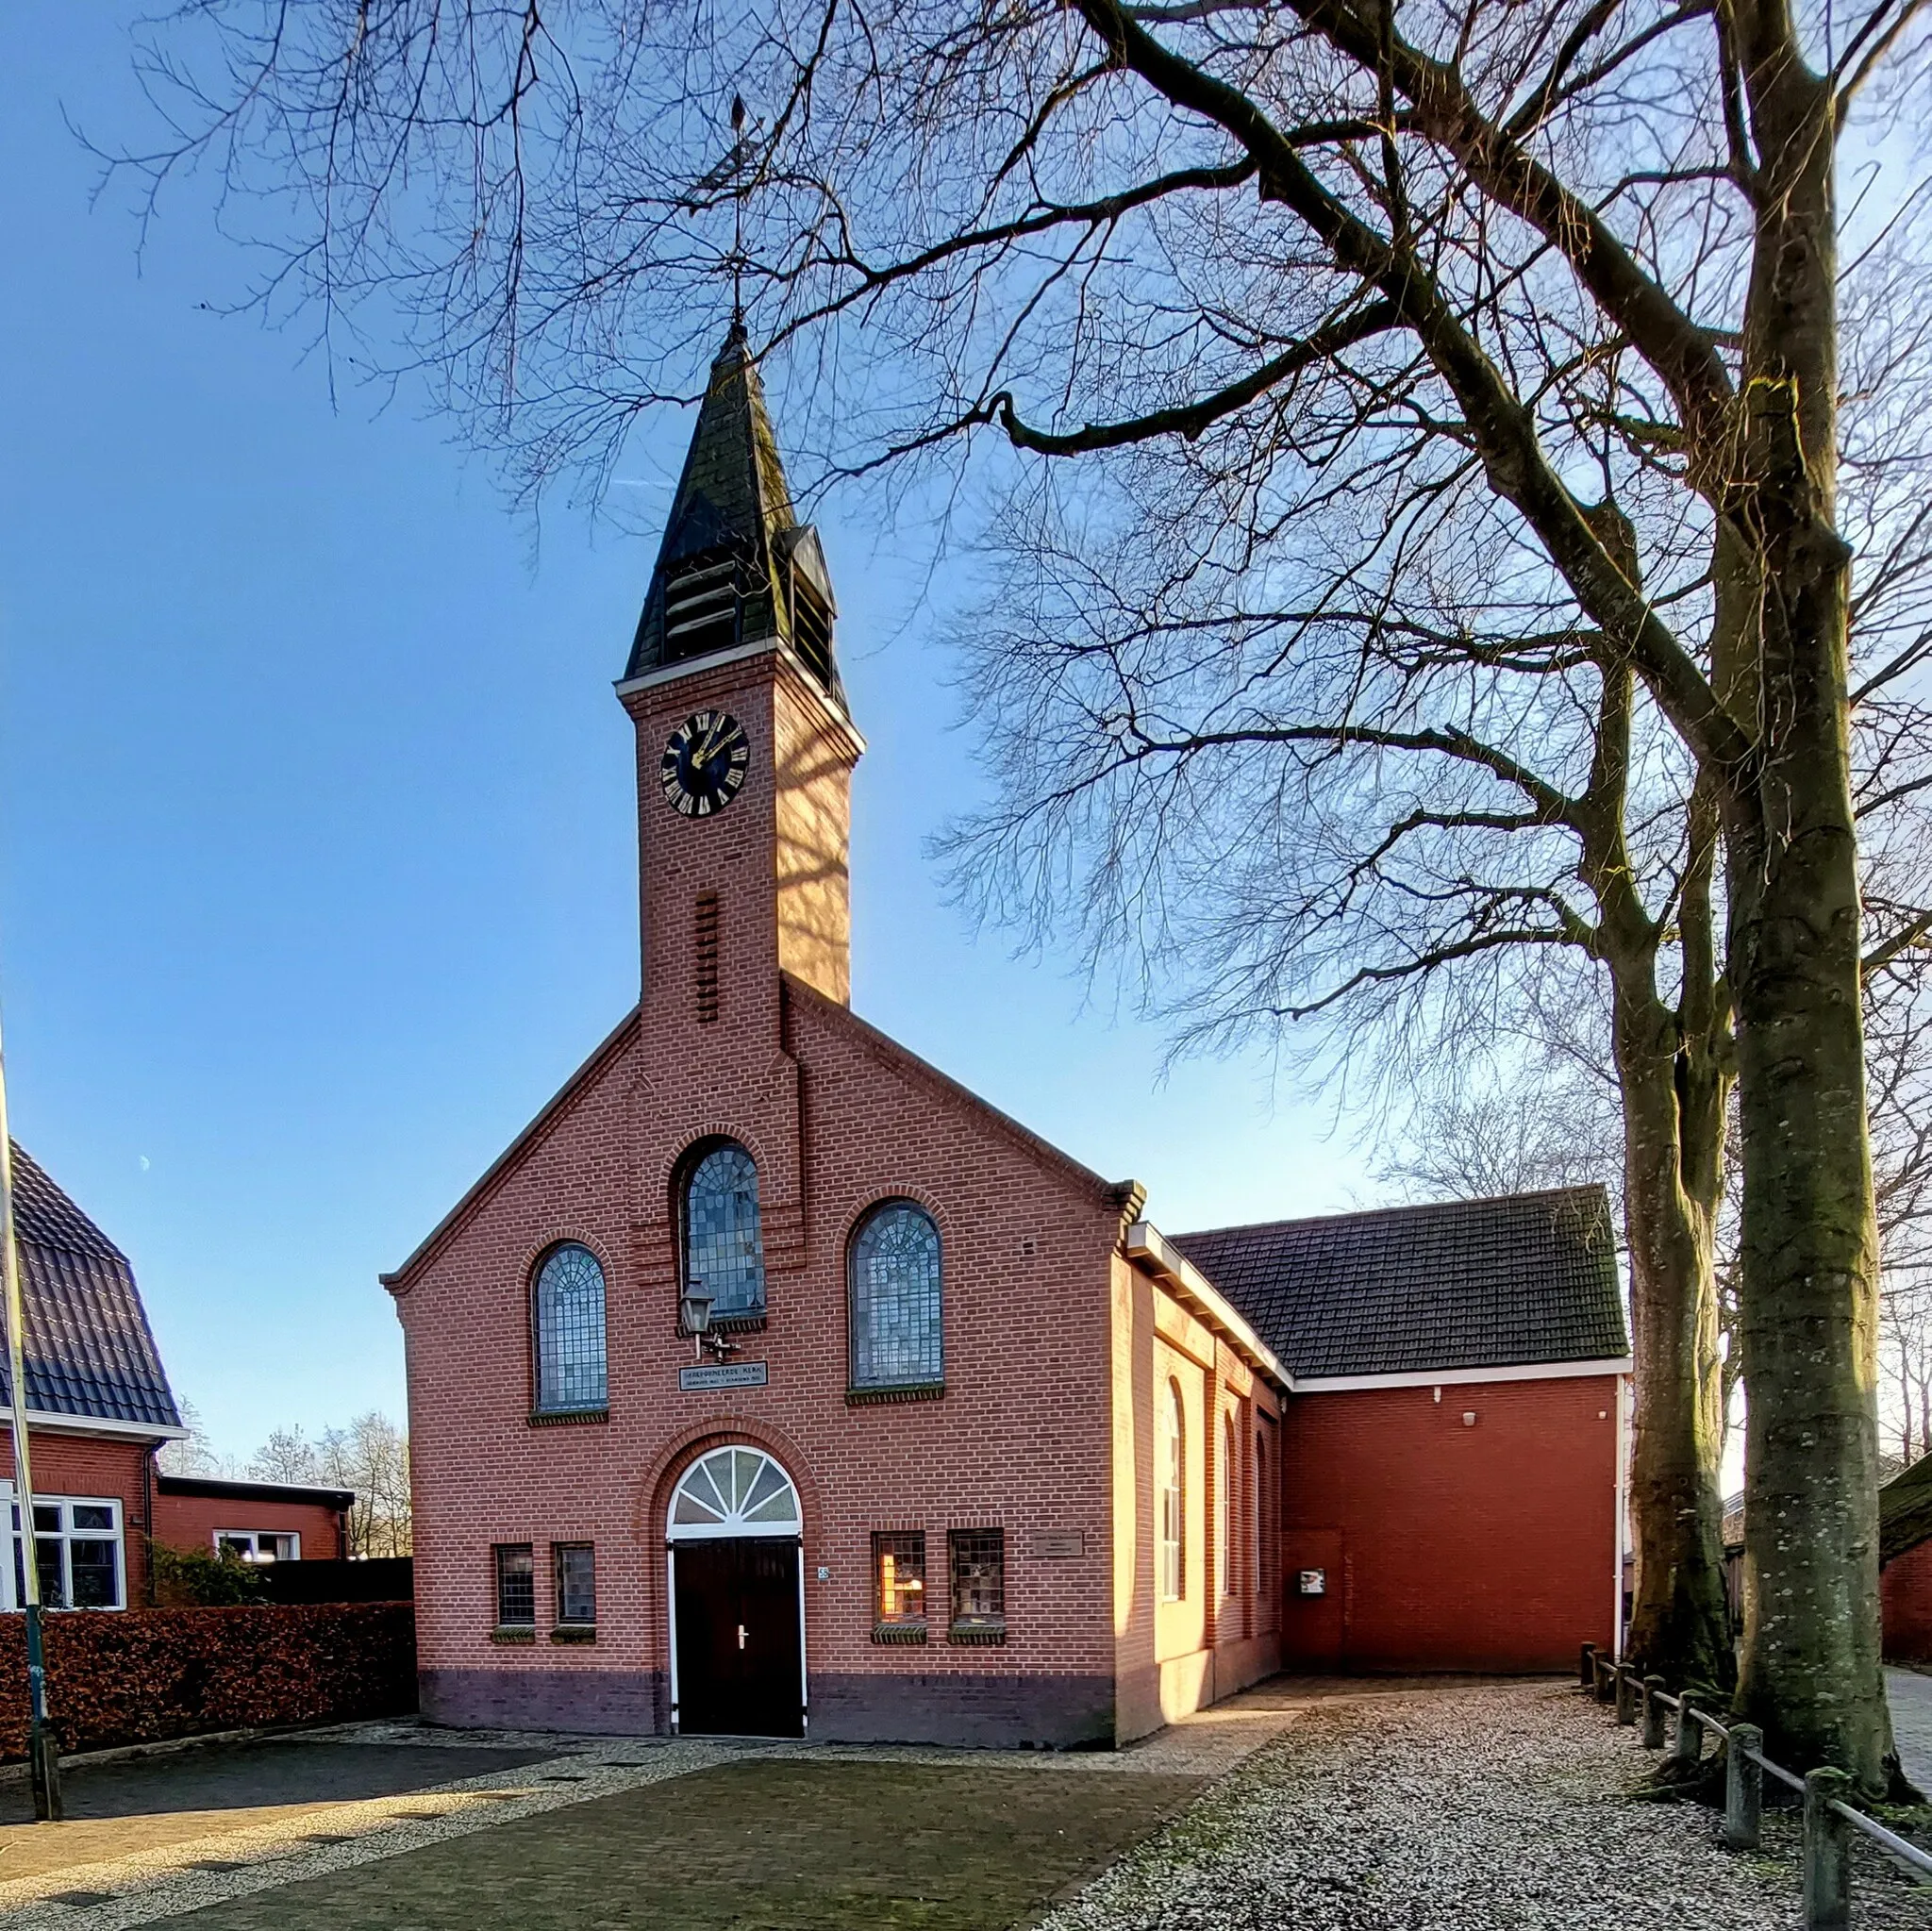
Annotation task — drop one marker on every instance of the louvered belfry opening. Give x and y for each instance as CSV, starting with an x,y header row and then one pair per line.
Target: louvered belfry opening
x,y
704,603
705,932
811,627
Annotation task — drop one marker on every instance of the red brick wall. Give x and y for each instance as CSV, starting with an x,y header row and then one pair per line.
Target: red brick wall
x,y
1904,1586
1449,1546
81,1465
837,1118
190,1521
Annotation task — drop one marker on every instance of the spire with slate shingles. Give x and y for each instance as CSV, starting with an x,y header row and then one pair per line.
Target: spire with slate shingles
x,y
736,565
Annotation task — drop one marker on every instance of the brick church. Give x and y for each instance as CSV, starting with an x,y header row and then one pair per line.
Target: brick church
x,y
772,1383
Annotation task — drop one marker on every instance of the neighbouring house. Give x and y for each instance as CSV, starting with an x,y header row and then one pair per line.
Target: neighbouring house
x,y
256,1521
1905,1556
99,1409
771,1378
98,1406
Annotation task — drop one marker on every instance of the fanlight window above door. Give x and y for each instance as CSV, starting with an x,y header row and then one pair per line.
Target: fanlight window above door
x,y
734,1491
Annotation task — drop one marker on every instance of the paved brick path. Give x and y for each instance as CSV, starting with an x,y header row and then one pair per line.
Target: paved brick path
x,y
178,1834
1910,1696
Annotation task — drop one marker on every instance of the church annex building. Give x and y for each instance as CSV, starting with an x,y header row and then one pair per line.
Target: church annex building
x,y
772,1383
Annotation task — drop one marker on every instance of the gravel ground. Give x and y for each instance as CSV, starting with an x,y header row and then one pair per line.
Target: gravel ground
x,y
1501,1807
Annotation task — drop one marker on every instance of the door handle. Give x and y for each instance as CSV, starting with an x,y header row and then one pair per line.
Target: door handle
x,y
740,1636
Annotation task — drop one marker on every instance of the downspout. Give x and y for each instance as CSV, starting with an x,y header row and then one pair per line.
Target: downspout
x,y
1623,1508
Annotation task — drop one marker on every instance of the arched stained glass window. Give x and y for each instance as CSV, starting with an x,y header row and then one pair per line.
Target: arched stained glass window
x,y
1173,1496
894,1284
567,1320
724,1252
734,1491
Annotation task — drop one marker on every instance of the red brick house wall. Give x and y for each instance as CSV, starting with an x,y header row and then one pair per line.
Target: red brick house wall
x,y
99,1467
190,1521
1447,1545
1904,1588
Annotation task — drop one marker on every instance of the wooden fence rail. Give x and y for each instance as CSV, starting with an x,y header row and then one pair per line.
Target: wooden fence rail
x,y
1830,1817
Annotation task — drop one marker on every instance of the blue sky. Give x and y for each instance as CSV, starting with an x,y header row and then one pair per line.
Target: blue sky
x,y
317,840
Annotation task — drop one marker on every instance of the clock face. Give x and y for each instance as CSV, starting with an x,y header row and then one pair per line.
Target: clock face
x,y
704,763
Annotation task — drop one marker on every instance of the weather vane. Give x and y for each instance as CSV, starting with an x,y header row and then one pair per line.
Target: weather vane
x,y
732,172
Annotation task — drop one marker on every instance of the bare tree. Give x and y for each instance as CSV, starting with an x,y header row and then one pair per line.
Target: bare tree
x,y
196,1454
372,1457
1499,359
287,1455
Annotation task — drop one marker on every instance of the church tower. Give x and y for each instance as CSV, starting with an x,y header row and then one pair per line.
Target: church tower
x,y
745,749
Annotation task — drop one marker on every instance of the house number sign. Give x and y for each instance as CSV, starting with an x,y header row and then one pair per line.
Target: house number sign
x,y
726,1374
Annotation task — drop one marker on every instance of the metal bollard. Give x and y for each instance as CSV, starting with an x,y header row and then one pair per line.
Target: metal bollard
x,y
1586,1674
1743,1787
1626,1695
1827,1853
1689,1734
1654,1713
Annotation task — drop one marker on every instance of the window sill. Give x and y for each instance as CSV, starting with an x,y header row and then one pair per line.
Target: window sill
x,y
977,1635
575,1632
897,1391
512,1632
729,1323
899,1635
566,1418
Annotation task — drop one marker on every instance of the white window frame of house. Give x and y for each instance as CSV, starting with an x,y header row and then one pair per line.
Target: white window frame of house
x,y
254,1538
66,1535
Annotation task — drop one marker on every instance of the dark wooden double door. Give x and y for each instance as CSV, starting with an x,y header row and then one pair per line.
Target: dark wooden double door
x,y
741,1672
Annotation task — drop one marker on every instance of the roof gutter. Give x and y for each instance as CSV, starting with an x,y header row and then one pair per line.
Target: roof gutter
x,y
1145,1243
40,1422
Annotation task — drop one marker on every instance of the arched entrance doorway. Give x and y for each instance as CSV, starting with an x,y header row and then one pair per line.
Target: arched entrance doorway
x,y
735,1554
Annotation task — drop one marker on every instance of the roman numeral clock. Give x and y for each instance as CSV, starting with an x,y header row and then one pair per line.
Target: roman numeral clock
x,y
704,763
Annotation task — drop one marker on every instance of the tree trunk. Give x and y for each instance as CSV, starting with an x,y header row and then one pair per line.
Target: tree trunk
x,y
1672,1131
1809,1249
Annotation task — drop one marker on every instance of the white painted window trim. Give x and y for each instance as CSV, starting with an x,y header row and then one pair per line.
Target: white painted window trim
x,y
11,1556
254,1535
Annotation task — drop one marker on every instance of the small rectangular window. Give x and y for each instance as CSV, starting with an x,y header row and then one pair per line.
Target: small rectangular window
x,y
576,1582
516,1586
898,1593
977,1562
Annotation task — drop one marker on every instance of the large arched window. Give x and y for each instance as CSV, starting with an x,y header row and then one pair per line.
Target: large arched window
x,y
1225,1490
724,1253
567,1329
1173,1496
894,1287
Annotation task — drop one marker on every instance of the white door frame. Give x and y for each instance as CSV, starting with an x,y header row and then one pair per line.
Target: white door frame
x,y
735,1528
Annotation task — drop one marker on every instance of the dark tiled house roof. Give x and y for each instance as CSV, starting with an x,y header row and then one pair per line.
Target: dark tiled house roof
x,y
1503,1283
89,1348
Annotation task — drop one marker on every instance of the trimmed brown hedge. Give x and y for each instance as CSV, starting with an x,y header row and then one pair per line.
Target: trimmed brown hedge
x,y
145,1674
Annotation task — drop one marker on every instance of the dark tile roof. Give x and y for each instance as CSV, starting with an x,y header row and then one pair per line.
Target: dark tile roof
x,y
732,498
1528,1279
89,1348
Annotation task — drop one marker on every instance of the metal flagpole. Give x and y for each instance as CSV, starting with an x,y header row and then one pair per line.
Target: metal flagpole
x,y
43,1756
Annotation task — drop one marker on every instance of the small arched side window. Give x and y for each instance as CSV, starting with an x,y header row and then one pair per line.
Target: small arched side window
x,y
894,1299
724,1248
1224,1484
567,1331
1263,1580
1174,1497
